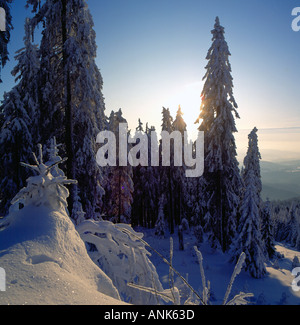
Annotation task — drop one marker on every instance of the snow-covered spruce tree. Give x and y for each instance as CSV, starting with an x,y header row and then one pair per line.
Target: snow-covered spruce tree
x,y
267,230
118,196
19,129
44,189
145,179
160,226
167,185
248,237
76,113
292,225
152,176
77,212
139,209
222,175
5,35
180,181
180,193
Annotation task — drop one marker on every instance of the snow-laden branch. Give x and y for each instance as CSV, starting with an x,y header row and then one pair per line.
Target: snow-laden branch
x,y
237,271
122,255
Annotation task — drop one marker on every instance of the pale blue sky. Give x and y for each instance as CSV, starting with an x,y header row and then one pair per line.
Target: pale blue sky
x,y
151,53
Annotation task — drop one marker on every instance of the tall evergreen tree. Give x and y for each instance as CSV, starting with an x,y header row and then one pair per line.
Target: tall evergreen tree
x,y
180,193
5,35
152,178
292,225
18,130
249,239
139,178
267,230
145,178
167,185
75,115
120,185
222,175
160,223
180,181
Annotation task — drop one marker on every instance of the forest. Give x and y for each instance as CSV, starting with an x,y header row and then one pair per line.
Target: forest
x,y
223,205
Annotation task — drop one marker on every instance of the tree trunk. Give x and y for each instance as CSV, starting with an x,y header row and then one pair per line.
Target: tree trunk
x,y
220,210
69,128
171,204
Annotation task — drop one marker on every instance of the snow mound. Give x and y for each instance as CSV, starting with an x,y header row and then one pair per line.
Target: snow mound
x,y
46,262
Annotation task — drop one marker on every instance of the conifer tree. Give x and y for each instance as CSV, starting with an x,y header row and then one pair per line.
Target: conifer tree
x,y
160,223
145,199
167,185
267,231
17,134
222,176
75,115
249,238
292,225
178,174
152,180
139,178
119,194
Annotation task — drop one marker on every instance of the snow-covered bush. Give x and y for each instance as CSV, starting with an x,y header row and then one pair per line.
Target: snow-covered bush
x,y
44,189
121,254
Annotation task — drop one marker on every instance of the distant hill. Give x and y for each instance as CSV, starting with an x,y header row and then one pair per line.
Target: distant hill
x,y
281,180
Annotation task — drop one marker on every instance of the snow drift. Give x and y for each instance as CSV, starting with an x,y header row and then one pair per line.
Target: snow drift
x,y
46,262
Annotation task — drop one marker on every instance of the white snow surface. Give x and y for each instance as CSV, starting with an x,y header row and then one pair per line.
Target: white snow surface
x,y
218,270
46,262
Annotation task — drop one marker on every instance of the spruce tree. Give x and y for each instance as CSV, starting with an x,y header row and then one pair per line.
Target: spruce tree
x,y
267,230
249,238
152,180
75,115
160,223
145,179
292,225
218,109
180,193
139,178
180,181
118,196
17,136
167,185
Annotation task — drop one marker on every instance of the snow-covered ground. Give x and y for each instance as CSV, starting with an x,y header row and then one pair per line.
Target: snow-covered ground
x,y
46,263
274,289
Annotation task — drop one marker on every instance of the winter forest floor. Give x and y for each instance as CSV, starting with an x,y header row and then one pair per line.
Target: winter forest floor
x,y
46,262
274,289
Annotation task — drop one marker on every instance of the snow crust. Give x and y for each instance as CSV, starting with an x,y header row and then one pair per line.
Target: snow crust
x,y
46,262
